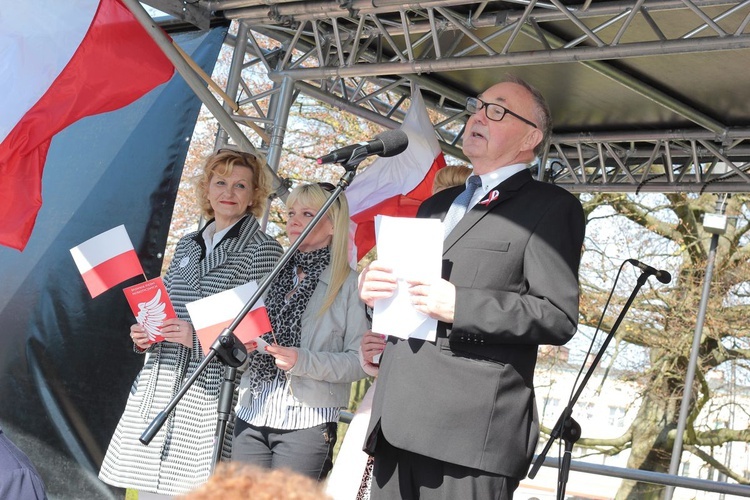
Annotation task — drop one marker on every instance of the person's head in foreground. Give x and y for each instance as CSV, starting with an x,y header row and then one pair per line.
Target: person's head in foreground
x,y
235,481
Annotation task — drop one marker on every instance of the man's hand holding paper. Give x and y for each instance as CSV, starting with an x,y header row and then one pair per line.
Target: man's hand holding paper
x,y
402,284
436,299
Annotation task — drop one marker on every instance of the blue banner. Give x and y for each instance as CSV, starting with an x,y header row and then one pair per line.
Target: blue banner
x,y
66,360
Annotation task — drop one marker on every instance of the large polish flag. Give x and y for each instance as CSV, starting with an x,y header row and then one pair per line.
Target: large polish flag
x,y
211,315
61,60
395,186
106,260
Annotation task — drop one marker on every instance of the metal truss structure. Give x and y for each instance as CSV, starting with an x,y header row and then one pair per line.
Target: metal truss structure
x,y
646,95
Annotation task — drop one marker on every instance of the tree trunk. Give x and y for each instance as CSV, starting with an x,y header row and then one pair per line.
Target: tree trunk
x,y
649,446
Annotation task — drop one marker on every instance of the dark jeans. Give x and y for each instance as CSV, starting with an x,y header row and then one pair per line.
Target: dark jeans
x,y
409,476
307,451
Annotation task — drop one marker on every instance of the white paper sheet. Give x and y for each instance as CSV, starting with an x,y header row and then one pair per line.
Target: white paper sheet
x,y
413,248
262,344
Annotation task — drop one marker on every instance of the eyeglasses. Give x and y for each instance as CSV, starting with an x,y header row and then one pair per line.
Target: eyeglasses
x,y
492,111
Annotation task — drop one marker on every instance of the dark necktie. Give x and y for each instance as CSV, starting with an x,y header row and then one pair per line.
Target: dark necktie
x,y
460,205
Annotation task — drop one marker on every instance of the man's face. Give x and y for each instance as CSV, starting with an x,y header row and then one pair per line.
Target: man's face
x,y
491,144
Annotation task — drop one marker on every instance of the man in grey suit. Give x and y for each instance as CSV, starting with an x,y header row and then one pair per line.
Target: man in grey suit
x,y
456,418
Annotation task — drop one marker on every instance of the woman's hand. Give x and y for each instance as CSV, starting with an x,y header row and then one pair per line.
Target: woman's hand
x,y
177,331
372,345
139,336
286,357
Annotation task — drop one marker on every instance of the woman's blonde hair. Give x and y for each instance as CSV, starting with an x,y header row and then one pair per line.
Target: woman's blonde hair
x,y
314,196
452,175
222,162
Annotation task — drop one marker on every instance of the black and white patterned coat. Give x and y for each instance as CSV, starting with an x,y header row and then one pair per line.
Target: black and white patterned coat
x,y
179,456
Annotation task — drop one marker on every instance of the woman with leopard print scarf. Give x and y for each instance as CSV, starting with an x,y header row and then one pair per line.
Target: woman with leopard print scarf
x,y
291,394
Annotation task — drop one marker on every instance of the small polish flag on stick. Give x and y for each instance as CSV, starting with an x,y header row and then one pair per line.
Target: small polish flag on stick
x,y
210,316
106,260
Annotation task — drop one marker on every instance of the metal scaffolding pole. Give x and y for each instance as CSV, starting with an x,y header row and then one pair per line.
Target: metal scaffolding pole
x,y
280,118
578,54
694,350
283,104
234,77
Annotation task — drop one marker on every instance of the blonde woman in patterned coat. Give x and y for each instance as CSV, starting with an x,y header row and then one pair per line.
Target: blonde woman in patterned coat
x,y
229,251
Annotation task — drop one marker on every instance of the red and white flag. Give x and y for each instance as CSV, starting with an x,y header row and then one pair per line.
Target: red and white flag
x,y
106,260
395,186
61,61
211,315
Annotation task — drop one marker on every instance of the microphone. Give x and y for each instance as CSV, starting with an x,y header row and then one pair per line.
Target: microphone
x,y
387,144
662,276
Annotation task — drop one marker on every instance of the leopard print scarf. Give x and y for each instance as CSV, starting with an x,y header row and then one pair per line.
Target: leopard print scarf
x,y
287,299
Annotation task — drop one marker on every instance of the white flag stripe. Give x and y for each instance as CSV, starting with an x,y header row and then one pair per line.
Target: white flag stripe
x,y
101,248
404,172
28,65
222,306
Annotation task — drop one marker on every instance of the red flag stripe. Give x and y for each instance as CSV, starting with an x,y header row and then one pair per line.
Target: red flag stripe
x,y
253,325
116,63
112,272
395,206
395,186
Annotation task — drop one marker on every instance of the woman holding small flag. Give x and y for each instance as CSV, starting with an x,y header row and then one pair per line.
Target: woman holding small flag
x,y
293,389
229,251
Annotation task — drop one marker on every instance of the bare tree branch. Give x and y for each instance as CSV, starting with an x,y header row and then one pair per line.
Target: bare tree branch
x,y
716,464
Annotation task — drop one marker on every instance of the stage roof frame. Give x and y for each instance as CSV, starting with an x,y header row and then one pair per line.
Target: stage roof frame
x,y
646,95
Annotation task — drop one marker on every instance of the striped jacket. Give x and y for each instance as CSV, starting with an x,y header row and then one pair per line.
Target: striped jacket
x,y
179,456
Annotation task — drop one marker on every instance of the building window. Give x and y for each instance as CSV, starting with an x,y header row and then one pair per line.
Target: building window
x,y
616,416
589,411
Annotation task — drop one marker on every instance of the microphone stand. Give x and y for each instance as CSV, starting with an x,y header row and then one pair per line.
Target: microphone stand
x,y
230,351
566,427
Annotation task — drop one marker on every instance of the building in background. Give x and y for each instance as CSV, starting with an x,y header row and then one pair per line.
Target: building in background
x,y
606,409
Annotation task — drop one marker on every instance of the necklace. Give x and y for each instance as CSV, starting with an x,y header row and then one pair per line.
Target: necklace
x,y
297,279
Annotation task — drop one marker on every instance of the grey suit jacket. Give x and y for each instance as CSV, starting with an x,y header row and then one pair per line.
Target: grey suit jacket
x,y
468,399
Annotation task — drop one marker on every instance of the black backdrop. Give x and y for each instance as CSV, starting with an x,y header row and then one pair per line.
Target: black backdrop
x,y
66,361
